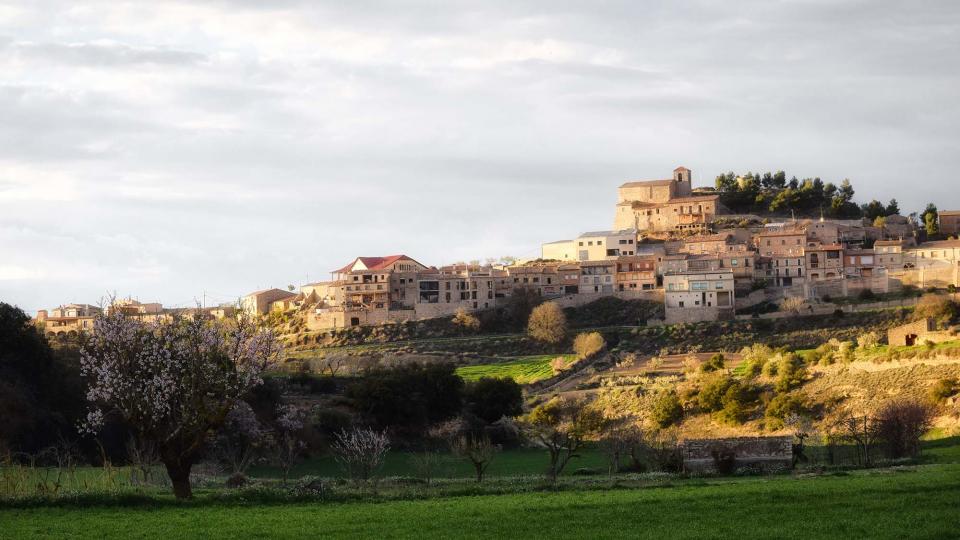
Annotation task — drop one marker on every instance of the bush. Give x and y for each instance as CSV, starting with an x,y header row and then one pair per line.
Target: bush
x,y
943,389
793,304
589,344
724,459
715,363
783,405
937,307
465,321
547,323
790,373
237,480
868,340
667,409
711,396
866,295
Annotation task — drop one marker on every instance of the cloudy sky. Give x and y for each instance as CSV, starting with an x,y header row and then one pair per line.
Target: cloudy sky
x,y
166,149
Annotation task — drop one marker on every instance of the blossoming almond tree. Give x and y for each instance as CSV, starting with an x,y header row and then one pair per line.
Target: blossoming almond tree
x,y
173,380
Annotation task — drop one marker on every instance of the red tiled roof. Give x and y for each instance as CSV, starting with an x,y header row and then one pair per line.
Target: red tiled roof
x,y
375,263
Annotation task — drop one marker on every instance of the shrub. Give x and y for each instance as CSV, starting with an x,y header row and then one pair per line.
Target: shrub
x,y
237,480
715,363
465,321
866,295
711,396
547,323
943,389
589,344
783,405
937,307
667,409
900,424
793,304
790,373
868,340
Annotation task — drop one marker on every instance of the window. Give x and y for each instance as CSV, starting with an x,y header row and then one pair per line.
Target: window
x,y
599,242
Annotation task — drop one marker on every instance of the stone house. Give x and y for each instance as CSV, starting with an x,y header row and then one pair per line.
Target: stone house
x,y
699,296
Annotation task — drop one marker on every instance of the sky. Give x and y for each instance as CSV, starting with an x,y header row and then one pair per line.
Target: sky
x,y
197,151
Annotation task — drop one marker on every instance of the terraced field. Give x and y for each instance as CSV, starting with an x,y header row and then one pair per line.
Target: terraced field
x,y
522,369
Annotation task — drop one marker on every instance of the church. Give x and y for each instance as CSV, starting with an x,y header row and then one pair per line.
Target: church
x,y
664,205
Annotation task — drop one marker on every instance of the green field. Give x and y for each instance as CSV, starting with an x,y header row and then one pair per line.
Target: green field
x,y
911,502
523,369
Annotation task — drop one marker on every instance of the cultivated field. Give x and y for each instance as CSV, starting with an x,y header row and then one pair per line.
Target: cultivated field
x,y
523,369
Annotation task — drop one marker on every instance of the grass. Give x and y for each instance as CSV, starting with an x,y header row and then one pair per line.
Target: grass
x,y
516,462
915,502
522,369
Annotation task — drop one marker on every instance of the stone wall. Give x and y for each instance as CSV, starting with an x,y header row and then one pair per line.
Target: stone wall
x,y
698,314
761,453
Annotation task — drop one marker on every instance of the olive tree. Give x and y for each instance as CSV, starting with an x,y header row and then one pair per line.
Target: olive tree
x,y
562,426
173,379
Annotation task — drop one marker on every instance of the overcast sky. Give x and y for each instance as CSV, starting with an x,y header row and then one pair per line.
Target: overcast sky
x,y
164,149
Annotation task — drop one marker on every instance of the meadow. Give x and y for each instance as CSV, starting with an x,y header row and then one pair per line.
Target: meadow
x,y
917,502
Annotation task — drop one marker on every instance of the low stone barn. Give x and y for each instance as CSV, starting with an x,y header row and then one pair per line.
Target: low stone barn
x,y
759,453
916,333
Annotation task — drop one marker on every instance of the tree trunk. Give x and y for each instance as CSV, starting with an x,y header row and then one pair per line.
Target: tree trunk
x,y
180,478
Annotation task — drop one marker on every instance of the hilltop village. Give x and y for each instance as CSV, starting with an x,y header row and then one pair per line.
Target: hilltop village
x,y
669,242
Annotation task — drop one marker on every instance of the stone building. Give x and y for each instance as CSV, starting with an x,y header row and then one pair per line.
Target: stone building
x,y
699,296
916,333
664,205
950,222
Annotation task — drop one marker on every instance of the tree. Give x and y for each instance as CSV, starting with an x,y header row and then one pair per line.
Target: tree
x,y
478,450
490,399
715,363
410,397
893,208
465,321
931,225
290,421
242,439
622,438
547,323
561,425
801,427
790,373
901,423
360,451
929,218
588,344
174,380
873,210
41,395
667,409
